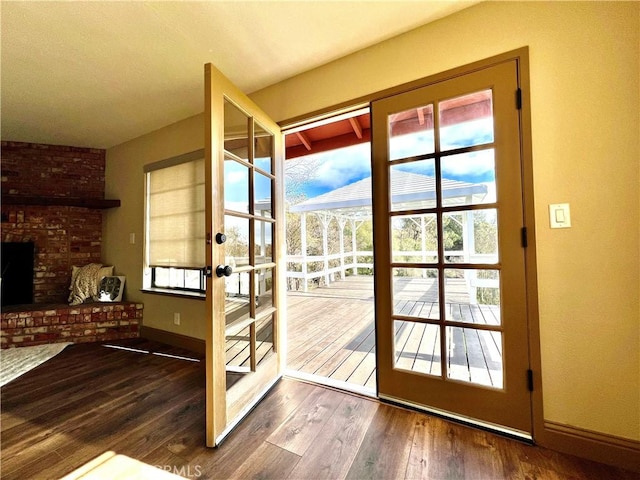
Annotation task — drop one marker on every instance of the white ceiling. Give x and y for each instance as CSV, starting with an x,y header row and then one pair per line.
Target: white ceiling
x,y
97,74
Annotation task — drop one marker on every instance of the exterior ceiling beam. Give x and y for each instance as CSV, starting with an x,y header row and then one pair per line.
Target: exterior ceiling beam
x,y
327,144
357,128
304,139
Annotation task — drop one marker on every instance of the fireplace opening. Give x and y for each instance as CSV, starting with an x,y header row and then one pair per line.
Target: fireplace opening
x,y
17,273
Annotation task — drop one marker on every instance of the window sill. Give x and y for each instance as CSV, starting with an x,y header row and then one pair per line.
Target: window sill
x,y
175,293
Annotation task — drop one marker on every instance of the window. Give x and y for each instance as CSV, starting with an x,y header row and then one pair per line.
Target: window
x,y
175,224
178,278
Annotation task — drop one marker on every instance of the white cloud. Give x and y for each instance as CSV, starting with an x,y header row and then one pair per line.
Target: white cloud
x,y
235,177
236,206
341,167
410,145
473,164
335,168
474,132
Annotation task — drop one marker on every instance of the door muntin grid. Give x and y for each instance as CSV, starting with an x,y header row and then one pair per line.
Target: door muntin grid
x,y
442,170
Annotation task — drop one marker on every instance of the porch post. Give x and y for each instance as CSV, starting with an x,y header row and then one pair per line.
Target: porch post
x,y
263,240
325,246
354,245
423,245
469,248
341,223
468,236
303,242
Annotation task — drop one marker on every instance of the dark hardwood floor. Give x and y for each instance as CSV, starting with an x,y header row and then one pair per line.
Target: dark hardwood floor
x,y
149,409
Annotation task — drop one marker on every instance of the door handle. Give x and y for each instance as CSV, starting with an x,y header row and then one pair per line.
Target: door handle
x,y
220,238
223,270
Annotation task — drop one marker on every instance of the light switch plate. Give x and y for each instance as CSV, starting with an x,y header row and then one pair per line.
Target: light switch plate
x,y
559,215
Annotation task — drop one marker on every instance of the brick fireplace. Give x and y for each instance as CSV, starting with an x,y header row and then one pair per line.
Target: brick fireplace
x,y
53,196
63,235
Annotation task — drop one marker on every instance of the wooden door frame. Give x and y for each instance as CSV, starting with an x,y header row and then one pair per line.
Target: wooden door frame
x,y
521,57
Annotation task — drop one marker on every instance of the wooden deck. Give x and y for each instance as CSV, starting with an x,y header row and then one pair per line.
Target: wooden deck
x,y
331,334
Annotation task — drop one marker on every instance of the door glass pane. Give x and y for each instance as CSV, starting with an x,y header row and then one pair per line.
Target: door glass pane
x,y
264,290
466,121
264,208
411,133
417,347
413,185
236,248
264,242
264,338
415,292
263,195
236,304
472,296
238,349
236,186
469,178
263,148
471,236
236,131
414,238
453,237
474,356
485,236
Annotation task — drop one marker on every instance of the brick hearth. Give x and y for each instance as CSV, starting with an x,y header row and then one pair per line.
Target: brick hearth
x,y
93,322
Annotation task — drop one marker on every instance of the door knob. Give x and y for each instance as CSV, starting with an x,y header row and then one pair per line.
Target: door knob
x,y
223,270
220,238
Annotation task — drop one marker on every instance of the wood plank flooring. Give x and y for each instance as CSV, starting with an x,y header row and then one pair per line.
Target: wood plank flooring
x,y
143,414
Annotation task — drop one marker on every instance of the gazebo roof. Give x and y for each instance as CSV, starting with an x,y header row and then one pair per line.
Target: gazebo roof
x,y
406,187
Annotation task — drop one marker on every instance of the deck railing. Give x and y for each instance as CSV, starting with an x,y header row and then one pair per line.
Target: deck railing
x,y
350,262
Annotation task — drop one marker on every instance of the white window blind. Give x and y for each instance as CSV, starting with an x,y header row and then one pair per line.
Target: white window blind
x,y
175,212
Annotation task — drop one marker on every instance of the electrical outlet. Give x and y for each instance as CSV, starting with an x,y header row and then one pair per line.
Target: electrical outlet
x,y
176,319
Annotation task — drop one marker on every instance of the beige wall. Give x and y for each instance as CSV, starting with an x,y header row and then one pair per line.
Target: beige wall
x,y
585,93
125,180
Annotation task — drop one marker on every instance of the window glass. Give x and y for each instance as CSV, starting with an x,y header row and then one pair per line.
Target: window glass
x,y
466,121
411,133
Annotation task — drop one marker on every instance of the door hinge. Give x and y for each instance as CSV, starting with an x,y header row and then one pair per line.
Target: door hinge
x,y
207,271
519,99
523,237
530,380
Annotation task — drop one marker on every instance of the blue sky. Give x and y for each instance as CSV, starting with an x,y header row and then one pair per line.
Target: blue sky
x,y
316,174
337,168
326,171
